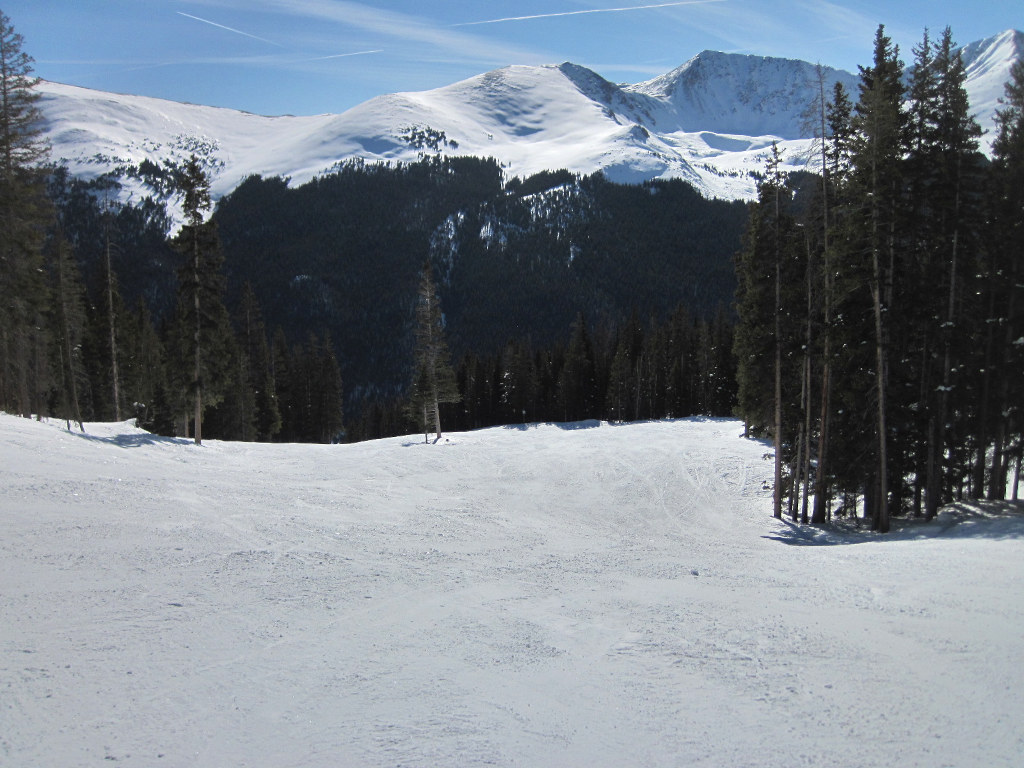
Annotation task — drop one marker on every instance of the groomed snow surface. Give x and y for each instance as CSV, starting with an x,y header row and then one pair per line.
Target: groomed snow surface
x,y
557,595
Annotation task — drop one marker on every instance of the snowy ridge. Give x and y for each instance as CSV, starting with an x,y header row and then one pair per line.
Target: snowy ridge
x,y
552,595
708,122
987,63
742,95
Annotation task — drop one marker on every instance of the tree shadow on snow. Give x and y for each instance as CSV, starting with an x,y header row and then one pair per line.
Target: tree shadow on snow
x,y
595,423
567,425
994,520
136,440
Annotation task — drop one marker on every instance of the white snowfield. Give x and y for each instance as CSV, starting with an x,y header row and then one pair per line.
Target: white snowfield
x,y
709,122
545,596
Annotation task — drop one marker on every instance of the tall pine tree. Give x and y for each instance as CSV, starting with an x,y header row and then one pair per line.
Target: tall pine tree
x,y
23,219
202,323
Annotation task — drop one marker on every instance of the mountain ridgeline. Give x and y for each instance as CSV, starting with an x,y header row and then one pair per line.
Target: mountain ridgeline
x,y
709,122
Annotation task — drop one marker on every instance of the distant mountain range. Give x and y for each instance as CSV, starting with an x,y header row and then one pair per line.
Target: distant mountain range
x,y
709,122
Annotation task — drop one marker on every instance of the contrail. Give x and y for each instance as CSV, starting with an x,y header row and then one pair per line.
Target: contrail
x,y
591,10
229,29
343,55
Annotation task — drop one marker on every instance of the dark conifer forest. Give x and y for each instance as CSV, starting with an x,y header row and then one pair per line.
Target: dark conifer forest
x,y
562,298
880,336
869,319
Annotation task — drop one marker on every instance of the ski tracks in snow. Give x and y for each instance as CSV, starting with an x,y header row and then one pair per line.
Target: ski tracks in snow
x,y
543,596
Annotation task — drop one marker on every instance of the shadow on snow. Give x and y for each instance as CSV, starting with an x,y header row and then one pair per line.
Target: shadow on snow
x,y
998,520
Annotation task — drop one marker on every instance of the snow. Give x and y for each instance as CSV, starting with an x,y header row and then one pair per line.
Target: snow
x,y
551,595
707,122
987,72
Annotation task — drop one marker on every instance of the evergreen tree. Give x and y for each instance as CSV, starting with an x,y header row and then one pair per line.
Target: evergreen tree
x,y
1003,311
622,383
202,319
253,339
518,383
835,167
113,306
69,329
766,336
144,373
434,382
23,217
327,408
877,173
945,171
577,380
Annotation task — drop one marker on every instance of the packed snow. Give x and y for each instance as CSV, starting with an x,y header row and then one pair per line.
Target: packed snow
x,y
542,595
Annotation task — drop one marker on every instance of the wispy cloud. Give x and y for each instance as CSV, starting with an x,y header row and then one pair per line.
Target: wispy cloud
x,y
414,36
229,29
838,19
586,11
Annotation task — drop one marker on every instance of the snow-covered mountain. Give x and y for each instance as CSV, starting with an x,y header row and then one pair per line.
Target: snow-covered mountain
x,y
708,122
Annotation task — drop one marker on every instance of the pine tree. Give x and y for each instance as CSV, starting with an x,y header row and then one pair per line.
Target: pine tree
x,y
767,336
835,131
253,339
577,380
434,382
328,414
23,218
113,305
945,169
203,321
518,383
878,149
143,371
1004,275
69,328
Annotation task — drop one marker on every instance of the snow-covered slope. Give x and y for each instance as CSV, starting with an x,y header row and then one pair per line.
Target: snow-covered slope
x,y
708,122
573,595
988,65
745,95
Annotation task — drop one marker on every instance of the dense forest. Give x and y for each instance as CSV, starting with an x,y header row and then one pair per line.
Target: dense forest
x,y
880,340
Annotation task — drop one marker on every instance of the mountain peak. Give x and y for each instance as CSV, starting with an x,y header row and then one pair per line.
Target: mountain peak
x,y
742,94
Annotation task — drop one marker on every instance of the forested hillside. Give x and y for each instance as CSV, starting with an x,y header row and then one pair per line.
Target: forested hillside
x,y
563,297
514,260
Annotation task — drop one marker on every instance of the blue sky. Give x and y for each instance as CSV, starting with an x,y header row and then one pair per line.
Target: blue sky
x,y
315,56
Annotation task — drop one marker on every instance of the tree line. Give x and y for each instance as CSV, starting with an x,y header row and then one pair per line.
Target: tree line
x,y
651,368
880,326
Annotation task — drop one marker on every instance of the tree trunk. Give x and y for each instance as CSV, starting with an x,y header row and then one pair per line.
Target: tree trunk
x,y
114,373
437,419
197,371
882,512
1000,461
68,348
820,487
777,496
